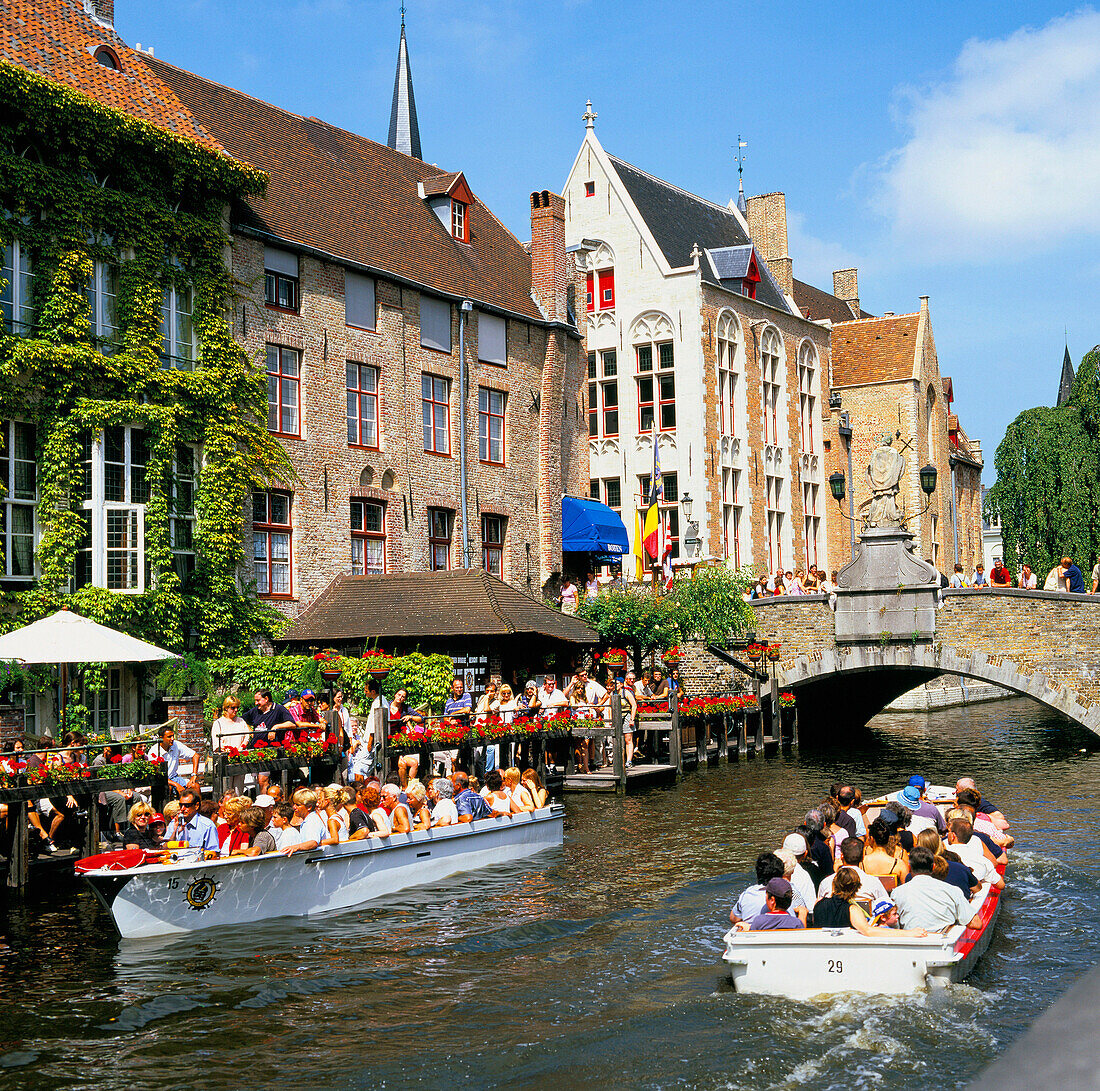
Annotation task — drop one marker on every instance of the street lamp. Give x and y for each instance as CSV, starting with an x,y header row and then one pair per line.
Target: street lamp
x,y
686,502
928,479
836,486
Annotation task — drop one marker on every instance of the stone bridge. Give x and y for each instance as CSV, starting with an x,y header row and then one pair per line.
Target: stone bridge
x,y
1044,645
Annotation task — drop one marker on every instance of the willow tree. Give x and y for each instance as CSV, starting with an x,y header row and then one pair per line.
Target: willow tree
x,y
1047,493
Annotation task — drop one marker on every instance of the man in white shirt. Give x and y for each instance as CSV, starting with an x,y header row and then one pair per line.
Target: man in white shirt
x,y
281,826
924,902
800,879
552,698
968,848
170,750
441,796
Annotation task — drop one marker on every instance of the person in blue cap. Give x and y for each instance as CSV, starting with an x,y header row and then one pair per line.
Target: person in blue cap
x,y
912,796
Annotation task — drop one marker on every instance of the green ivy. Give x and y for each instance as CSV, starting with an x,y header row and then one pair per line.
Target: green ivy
x,y
1047,492
79,182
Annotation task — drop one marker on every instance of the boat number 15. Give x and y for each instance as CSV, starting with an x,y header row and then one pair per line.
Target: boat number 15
x,y
836,966
174,884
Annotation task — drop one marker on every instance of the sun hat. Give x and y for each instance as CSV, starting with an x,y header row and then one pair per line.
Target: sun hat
x,y
911,795
265,800
795,842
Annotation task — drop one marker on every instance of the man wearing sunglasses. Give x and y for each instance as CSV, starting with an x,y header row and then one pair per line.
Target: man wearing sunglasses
x,y
191,826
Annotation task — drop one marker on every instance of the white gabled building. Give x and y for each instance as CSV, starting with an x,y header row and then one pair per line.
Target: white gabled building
x,y
689,332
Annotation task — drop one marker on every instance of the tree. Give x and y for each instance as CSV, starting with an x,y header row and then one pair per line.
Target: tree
x,y
633,617
710,607
1047,493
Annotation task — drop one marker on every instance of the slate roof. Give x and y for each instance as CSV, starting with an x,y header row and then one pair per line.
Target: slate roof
x,y
731,262
874,350
678,220
344,195
422,605
816,304
58,39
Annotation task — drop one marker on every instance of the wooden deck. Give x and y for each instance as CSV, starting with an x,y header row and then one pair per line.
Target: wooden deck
x,y
637,777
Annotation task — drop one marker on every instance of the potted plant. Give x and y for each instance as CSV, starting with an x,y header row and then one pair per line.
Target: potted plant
x,y
613,657
754,652
379,663
328,662
773,653
672,657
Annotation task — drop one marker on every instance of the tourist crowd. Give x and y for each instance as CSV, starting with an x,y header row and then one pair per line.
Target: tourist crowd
x,y
912,869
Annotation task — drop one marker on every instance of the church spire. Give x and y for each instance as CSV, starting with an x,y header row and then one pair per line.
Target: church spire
x,y
404,130
1065,386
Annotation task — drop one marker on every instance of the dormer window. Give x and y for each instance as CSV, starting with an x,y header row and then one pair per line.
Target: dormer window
x,y
590,189
450,198
108,58
459,221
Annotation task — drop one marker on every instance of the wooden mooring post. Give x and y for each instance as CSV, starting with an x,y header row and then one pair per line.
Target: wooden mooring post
x,y
618,752
675,747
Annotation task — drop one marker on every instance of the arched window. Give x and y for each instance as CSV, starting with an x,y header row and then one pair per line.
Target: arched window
x,y
108,58
807,396
729,338
772,377
930,424
654,363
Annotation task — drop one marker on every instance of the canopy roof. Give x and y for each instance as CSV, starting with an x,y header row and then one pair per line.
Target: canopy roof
x,y
421,606
66,637
587,526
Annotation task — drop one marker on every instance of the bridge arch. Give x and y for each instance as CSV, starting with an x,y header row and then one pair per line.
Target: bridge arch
x,y
825,679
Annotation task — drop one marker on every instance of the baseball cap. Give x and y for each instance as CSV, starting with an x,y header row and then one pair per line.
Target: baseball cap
x,y
308,693
778,887
156,817
883,905
264,800
918,781
888,816
795,842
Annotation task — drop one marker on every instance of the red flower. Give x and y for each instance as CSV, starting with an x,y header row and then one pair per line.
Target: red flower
x,y
85,772
260,743
330,742
116,759
288,737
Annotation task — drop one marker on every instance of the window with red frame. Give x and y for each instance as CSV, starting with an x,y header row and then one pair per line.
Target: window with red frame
x,y
665,382
492,544
271,543
811,520
362,405
590,189
606,278
590,292
807,402
490,425
368,538
460,220
283,390
772,378
435,395
593,397
440,530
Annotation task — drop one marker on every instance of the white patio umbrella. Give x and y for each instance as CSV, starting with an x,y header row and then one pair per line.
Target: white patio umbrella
x,y
65,638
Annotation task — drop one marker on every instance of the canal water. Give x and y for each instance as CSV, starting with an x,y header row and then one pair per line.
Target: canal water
x,y
595,966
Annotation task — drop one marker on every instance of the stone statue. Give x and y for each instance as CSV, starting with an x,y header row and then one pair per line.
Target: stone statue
x,y
884,475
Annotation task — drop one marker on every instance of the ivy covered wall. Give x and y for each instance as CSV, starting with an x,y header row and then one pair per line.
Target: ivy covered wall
x,y
82,184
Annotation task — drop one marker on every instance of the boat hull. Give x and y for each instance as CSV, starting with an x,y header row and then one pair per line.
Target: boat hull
x,y
159,900
804,963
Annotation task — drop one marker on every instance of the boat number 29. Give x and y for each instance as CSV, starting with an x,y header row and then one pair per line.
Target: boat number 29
x,y
836,966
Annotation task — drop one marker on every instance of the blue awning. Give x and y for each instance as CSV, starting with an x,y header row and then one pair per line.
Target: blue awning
x,y
587,526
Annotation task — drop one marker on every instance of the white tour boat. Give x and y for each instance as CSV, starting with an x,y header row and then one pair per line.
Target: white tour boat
x,y
158,899
802,963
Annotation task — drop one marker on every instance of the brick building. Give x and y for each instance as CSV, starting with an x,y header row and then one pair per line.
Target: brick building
x,y
367,277
692,336
886,378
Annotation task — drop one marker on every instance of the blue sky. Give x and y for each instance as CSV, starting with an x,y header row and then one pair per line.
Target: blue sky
x,y
949,150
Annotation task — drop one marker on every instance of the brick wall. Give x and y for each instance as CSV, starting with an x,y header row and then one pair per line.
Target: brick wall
x,y
544,449
767,217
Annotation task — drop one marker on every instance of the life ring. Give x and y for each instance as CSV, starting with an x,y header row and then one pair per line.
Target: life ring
x,y
112,861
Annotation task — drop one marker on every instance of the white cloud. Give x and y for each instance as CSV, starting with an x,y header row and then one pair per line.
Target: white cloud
x,y
1006,151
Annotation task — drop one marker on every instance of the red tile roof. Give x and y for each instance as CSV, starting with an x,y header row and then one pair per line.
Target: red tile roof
x,y
874,350
58,39
343,195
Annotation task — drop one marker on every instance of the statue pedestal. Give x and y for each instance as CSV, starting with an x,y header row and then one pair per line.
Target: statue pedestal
x,y
886,594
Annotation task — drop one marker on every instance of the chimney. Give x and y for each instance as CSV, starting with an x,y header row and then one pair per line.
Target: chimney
x,y
102,10
767,216
549,267
846,288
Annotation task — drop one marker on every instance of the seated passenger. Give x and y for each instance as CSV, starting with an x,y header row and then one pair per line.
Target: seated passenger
x,y
990,810
400,816
138,834
282,828
955,871
468,803
799,880
441,794
821,853
312,828
521,797
418,805
870,888
961,839
992,836
360,823
925,902
882,856
840,910
258,840
777,901
533,783
753,900
498,799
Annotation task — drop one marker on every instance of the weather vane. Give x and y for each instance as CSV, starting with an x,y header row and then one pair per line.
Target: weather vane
x,y
741,144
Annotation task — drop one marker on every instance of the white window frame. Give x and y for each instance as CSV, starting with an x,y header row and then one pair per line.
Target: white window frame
x,y
18,271
103,330
10,502
99,507
807,397
729,372
170,342
732,513
811,523
771,375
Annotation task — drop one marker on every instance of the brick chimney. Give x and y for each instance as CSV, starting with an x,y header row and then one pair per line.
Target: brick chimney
x,y
103,10
846,288
767,216
549,269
